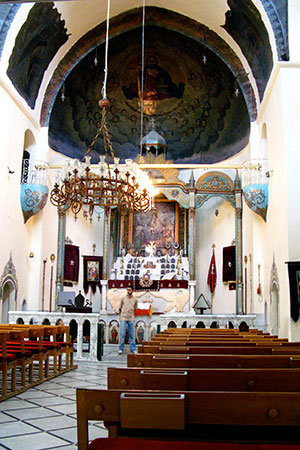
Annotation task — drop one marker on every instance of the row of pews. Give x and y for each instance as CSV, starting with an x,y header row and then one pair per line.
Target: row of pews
x,y
199,387
37,352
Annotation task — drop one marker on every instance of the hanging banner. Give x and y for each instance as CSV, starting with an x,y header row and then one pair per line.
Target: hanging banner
x,y
71,263
294,279
92,272
33,199
257,198
212,273
229,274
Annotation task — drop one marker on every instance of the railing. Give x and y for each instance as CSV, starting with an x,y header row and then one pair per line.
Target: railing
x,y
86,345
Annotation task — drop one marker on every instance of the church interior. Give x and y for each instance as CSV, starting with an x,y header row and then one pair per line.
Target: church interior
x,y
150,144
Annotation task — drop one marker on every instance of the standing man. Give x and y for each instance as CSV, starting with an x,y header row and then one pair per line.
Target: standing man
x,y
127,307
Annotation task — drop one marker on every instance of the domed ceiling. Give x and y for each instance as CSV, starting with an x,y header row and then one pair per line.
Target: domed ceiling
x,y
188,91
200,90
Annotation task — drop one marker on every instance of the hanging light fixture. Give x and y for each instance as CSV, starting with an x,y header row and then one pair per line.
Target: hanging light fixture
x,y
125,187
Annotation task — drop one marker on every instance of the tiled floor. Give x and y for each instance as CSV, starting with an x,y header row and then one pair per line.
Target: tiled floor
x,y
44,417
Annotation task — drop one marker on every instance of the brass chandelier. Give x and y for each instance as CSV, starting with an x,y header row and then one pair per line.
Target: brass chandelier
x,y
125,187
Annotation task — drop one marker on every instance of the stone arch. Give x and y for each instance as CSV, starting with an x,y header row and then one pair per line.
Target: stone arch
x,y
274,300
73,330
9,275
8,300
214,184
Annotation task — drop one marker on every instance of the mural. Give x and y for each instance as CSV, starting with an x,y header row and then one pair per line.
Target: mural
x,y
244,24
36,44
188,91
157,226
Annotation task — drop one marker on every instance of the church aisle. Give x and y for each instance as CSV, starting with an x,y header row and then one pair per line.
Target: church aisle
x,y
44,417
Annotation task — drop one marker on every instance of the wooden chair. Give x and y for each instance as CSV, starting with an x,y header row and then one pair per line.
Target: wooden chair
x,y
8,362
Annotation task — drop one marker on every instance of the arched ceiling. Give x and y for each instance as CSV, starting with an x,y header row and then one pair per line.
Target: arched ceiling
x,y
214,59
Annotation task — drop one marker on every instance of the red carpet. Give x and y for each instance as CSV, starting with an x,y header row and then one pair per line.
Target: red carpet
x,y
144,444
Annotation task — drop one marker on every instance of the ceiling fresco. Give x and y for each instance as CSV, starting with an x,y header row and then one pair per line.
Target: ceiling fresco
x,y
244,24
37,42
188,91
196,87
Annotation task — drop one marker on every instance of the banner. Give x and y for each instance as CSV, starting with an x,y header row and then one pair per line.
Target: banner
x,y
71,263
294,279
92,272
212,273
229,274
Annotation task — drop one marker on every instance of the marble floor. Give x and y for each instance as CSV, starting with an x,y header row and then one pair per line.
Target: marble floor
x,y
44,417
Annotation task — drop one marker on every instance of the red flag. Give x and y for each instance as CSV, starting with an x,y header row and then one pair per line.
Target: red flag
x,y
212,273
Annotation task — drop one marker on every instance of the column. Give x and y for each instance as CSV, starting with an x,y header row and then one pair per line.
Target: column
x,y
192,285
239,245
106,245
103,296
59,286
122,219
79,339
93,340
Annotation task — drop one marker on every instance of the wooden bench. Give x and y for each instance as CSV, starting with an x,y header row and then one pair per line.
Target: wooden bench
x,y
204,379
55,338
211,361
189,414
8,362
28,343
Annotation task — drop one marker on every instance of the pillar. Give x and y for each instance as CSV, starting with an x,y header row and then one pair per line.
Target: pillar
x,y
106,245
239,245
59,286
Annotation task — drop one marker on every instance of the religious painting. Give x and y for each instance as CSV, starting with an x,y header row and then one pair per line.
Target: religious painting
x,y
156,228
140,332
92,272
153,329
113,332
103,334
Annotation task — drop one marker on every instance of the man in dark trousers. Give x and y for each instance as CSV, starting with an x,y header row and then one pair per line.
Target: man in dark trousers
x,y
127,307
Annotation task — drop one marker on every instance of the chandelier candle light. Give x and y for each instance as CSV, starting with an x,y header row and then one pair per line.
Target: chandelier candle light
x,y
125,187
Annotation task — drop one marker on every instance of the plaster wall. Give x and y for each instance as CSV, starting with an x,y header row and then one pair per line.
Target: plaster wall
x,y
276,229
291,113
84,234
17,237
220,231
294,30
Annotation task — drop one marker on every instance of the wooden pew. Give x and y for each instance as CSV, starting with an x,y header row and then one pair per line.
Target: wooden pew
x,y
189,414
211,361
33,340
24,357
8,362
220,350
263,379
56,348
